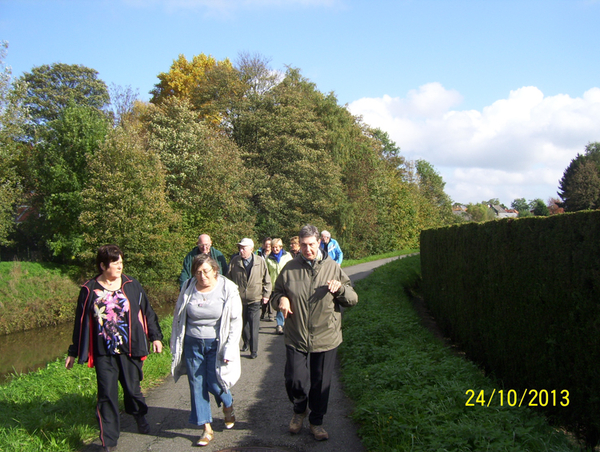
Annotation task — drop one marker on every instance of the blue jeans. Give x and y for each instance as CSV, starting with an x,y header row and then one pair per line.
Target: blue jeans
x,y
201,359
279,318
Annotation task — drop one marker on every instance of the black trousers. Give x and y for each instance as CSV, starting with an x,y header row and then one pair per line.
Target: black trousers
x,y
251,316
110,370
308,381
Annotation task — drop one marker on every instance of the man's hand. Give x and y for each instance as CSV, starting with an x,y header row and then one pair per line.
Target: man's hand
x,y
285,307
334,285
69,362
157,346
265,300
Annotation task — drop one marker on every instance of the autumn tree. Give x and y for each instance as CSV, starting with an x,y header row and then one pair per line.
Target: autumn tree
x,y
554,206
209,85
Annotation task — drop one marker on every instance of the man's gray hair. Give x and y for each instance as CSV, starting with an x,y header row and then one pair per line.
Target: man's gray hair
x,y
309,231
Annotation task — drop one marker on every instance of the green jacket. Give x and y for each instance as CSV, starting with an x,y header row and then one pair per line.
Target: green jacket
x,y
186,272
316,322
255,288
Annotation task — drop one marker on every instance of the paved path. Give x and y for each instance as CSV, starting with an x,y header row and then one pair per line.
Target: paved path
x,y
262,408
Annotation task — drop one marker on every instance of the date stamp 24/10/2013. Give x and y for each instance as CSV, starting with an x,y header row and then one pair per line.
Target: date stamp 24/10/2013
x,y
514,398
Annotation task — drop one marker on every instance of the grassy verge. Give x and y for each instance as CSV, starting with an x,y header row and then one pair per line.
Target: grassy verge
x,y
410,390
34,295
350,262
53,409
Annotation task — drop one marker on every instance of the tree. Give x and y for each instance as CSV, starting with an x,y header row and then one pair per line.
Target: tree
x,y
432,186
124,202
522,206
209,85
554,206
59,173
12,117
51,88
205,178
580,184
539,208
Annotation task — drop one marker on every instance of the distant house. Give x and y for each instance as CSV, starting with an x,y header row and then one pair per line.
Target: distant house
x,y
461,211
501,212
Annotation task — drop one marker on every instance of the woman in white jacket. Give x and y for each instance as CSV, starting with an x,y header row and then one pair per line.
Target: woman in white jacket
x,y
207,326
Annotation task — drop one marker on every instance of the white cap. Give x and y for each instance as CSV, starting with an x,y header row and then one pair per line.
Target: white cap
x,y
246,242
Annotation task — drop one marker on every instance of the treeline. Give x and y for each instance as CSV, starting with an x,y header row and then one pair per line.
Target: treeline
x,y
228,150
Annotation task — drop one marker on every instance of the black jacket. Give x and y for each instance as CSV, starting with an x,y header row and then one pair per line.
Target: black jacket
x,y
143,322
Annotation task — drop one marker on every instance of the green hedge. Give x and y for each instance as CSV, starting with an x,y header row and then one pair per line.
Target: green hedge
x,y
522,298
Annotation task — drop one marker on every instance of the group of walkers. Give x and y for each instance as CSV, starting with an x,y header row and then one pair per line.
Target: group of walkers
x,y
217,316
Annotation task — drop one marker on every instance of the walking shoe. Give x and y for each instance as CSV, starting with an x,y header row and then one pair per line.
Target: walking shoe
x,y
319,432
229,416
142,424
279,329
297,421
253,355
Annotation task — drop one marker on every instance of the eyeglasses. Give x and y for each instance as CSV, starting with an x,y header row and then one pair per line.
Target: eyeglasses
x,y
206,272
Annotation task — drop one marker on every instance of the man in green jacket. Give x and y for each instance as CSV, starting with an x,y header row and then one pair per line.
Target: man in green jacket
x,y
204,247
310,292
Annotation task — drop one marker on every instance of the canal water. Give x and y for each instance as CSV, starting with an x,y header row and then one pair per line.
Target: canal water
x,y
27,351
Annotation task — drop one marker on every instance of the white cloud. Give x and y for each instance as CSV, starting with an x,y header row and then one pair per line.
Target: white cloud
x,y
517,147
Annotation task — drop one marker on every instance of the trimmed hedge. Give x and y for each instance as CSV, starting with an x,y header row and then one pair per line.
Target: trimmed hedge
x,y
522,297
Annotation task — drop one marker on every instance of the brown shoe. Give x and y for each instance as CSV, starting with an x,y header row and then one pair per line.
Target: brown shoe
x,y
319,432
229,416
297,421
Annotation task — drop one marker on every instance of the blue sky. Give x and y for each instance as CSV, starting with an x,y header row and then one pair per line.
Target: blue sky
x,y
498,96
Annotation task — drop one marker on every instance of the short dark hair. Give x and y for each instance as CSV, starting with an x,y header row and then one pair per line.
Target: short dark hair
x,y
309,231
200,260
106,255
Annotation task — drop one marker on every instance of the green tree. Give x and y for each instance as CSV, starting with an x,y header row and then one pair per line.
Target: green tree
x,y
480,212
522,206
125,203
204,175
284,146
51,88
59,173
12,117
432,187
539,208
580,184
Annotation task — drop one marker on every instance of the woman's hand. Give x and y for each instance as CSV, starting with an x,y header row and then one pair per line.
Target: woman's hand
x,y
69,362
157,346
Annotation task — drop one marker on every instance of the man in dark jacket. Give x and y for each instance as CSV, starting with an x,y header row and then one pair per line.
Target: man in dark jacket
x,y
310,292
204,247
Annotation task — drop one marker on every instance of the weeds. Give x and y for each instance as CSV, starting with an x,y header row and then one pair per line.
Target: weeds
x,y
410,390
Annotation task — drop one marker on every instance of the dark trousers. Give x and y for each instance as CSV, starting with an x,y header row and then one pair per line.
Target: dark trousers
x,y
266,309
308,381
251,316
110,370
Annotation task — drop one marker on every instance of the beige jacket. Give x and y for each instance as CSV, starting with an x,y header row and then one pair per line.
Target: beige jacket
x,y
316,322
256,288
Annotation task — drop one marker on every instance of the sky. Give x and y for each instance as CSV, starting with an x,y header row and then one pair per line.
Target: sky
x,y
499,96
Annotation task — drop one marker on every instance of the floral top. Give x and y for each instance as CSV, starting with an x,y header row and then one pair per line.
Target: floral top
x,y
111,312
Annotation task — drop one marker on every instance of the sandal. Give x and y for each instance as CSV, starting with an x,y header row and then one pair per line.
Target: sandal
x,y
229,416
205,439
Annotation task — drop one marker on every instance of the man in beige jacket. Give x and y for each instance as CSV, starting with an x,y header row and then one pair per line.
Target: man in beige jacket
x,y
250,273
310,292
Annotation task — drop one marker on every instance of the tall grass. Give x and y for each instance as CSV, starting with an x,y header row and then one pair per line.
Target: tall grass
x,y
410,389
53,409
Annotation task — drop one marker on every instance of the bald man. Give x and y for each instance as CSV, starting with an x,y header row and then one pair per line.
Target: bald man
x,y
204,246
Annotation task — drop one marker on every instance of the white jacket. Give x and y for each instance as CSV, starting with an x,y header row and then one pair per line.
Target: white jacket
x,y
228,373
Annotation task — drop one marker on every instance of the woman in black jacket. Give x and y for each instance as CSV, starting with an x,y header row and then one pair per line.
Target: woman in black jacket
x,y
113,323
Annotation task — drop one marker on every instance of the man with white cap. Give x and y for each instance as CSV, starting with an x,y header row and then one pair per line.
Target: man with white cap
x,y
250,273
